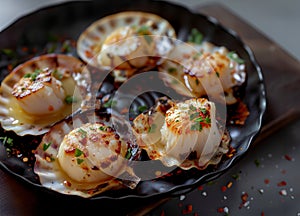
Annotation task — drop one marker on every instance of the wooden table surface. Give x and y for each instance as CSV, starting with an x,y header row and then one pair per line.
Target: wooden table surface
x,y
282,79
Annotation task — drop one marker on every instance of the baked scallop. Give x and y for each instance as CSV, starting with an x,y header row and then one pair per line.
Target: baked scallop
x,y
42,91
86,155
183,134
126,41
205,70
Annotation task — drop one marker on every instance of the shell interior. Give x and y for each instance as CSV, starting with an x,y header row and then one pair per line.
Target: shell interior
x,y
76,84
90,41
51,175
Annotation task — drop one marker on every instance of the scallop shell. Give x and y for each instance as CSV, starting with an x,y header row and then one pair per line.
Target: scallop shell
x,y
52,177
11,115
152,140
90,41
204,69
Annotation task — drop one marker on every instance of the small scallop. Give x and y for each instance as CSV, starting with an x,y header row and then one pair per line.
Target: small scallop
x,y
42,91
187,136
128,40
203,70
84,156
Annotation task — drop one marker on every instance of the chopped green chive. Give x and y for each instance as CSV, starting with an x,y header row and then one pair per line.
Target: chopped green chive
x,y
256,162
142,108
7,141
79,161
196,127
8,52
102,128
233,56
111,103
128,153
152,128
82,132
143,30
78,152
195,36
70,99
194,115
46,146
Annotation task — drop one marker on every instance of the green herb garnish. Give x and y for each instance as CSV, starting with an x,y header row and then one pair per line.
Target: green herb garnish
x,y
82,132
7,141
9,52
196,127
33,75
46,146
70,99
142,108
143,30
233,56
128,153
78,152
195,36
111,103
79,161
152,128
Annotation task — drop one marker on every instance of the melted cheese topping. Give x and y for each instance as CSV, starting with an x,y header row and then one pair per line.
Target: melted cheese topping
x,y
92,153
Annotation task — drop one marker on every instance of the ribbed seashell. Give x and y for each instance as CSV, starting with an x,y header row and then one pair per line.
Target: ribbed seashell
x,y
184,134
90,42
75,79
205,70
52,175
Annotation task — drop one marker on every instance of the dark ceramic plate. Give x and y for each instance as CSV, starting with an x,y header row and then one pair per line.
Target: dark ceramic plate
x,y
56,28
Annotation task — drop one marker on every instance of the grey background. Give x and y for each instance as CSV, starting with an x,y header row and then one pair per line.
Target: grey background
x,y
278,19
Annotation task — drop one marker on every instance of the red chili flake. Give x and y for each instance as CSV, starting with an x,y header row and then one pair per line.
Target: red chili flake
x,y
188,209
50,108
283,192
25,49
162,213
262,214
89,54
244,197
179,205
267,181
9,67
220,210
281,184
200,188
283,171
223,188
287,157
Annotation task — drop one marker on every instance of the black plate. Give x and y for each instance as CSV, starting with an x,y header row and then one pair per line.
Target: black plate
x,y
51,27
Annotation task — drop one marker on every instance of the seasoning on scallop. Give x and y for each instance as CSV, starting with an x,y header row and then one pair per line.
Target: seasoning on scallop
x,y
92,153
128,41
188,136
42,91
36,87
204,69
85,156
